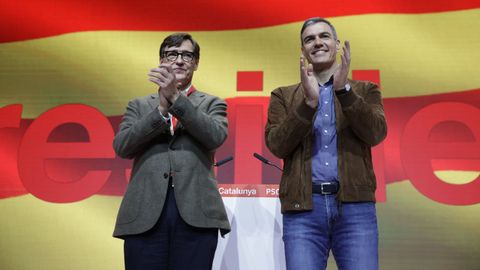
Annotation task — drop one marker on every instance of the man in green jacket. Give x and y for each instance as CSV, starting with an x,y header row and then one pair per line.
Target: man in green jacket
x,y
172,211
323,128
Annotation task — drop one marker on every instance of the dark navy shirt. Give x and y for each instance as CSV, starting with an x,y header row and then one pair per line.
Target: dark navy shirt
x,y
324,158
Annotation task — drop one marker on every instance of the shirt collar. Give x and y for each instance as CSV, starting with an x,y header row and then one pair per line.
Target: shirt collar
x,y
185,90
327,84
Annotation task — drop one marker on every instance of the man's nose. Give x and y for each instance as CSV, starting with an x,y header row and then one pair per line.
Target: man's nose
x,y
179,60
318,41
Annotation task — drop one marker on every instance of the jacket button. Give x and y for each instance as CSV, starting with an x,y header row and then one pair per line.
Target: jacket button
x,y
165,175
297,205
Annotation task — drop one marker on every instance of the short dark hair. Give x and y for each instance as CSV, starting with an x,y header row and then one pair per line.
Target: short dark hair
x,y
315,20
175,40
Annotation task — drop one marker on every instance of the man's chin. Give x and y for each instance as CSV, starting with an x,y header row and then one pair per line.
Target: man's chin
x,y
180,77
322,62
182,81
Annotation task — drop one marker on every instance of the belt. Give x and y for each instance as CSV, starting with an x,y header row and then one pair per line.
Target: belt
x,y
326,188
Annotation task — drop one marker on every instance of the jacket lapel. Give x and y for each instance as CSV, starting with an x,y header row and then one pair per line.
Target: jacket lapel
x,y
153,101
196,98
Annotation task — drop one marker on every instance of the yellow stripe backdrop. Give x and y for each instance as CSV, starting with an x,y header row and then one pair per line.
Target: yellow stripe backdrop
x,y
76,236
416,54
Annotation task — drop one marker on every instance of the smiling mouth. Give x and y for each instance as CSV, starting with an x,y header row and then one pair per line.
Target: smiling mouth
x,y
318,52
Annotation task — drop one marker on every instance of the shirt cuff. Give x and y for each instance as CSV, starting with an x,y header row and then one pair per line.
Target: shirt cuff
x,y
166,118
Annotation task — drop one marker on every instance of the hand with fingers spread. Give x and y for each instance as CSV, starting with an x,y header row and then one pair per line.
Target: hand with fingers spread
x,y
309,83
164,77
341,74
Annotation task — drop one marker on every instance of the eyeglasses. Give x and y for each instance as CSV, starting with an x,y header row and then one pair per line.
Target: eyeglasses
x,y
173,55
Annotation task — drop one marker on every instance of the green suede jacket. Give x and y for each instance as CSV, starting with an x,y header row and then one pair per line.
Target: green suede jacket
x,y
360,124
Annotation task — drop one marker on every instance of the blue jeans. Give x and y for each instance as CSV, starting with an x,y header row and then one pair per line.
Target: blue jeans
x,y
350,231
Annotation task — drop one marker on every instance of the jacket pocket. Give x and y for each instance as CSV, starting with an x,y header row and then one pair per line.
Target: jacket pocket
x,y
132,201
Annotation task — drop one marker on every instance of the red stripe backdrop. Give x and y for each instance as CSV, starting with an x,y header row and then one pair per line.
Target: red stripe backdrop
x,y
22,20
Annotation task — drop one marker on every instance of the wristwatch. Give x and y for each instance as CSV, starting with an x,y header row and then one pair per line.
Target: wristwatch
x,y
344,90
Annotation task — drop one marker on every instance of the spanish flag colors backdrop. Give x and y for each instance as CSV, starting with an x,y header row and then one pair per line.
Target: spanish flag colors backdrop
x,y
68,69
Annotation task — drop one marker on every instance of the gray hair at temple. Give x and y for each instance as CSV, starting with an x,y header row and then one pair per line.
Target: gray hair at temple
x,y
315,20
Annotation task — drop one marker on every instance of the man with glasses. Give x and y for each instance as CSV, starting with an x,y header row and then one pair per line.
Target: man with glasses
x,y
172,211
323,128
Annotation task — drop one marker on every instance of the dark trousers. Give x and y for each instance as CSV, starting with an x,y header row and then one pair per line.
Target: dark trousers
x,y
171,244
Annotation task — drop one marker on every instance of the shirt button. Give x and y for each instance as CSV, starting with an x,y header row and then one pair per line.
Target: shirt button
x,y
325,131
297,205
326,163
326,146
326,115
326,102
165,175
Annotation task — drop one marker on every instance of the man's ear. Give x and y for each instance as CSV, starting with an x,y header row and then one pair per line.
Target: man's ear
x,y
338,45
